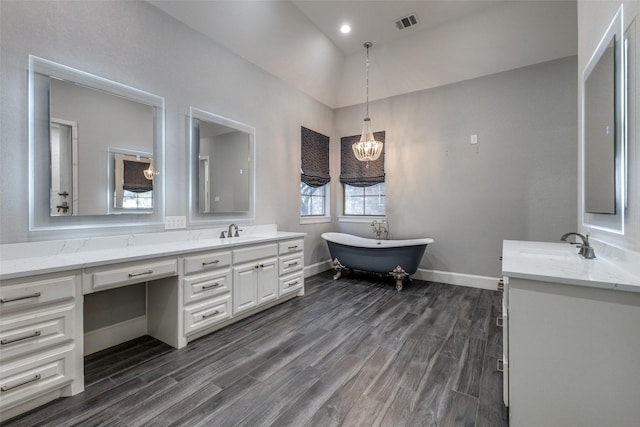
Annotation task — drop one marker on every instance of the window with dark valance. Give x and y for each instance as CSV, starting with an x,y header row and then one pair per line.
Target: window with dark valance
x,y
315,158
133,177
353,171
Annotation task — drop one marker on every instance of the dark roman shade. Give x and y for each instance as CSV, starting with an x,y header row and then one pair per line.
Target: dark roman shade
x,y
353,171
133,177
315,158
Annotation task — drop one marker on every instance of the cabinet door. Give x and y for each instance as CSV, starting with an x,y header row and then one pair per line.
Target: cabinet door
x,y
245,287
267,280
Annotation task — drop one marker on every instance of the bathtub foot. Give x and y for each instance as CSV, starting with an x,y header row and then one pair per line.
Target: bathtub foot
x,y
399,274
338,269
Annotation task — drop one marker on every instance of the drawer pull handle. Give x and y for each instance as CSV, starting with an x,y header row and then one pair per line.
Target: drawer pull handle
x,y
291,264
206,316
501,285
34,295
292,284
293,247
215,285
500,365
11,387
204,264
499,322
140,274
10,340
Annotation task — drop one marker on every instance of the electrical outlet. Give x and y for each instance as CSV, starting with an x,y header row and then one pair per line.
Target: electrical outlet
x,y
474,139
175,222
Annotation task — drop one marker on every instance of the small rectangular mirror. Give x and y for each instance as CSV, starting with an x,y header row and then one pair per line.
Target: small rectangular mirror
x,y
222,168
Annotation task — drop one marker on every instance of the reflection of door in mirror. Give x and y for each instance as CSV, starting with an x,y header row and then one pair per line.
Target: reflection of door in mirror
x,y
204,183
599,136
133,186
64,167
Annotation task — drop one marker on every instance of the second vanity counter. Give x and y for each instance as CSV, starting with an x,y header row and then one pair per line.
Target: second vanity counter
x,y
560,263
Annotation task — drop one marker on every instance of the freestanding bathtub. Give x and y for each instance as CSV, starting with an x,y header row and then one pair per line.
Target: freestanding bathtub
x,y
398,258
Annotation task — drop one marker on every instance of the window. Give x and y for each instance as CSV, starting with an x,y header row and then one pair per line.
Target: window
x,y
312,200
132,200
363,182
364,200
314,173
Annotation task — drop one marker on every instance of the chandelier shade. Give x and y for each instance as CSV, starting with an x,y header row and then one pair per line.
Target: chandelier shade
x,y
367,149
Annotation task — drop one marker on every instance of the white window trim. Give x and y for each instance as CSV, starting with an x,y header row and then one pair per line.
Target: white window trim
x,y
361,218
315,219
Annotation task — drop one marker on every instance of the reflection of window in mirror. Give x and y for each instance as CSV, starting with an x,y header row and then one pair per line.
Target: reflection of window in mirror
x,y
133,182
314,173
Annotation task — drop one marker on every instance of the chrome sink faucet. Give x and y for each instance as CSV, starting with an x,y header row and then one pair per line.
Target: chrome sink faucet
x,y
230,232
585,248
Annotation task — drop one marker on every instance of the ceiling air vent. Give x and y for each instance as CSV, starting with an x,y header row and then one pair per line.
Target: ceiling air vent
x,y
407,21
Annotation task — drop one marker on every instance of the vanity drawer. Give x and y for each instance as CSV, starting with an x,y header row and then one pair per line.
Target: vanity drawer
x,y
291,263
291,283
25,335
24,296
204,262
128,273
24,381
208,285
254,252
290,246
206,314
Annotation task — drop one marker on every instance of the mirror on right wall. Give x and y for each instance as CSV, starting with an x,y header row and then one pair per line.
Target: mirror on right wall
x,y
221,168
604,132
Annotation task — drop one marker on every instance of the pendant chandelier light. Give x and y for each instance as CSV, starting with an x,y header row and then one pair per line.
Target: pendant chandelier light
x,y
149,172
367,149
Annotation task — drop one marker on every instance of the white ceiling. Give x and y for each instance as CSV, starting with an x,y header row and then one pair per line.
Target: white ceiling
x,y
299,41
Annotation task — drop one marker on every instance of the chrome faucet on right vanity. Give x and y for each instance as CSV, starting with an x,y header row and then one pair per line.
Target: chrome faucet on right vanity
x,y
586,250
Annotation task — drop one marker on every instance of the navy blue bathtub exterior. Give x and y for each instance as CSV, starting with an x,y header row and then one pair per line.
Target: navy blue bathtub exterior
x,y
378,260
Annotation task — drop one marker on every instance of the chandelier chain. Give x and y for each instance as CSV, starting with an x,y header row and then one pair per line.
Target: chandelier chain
x,y
367,45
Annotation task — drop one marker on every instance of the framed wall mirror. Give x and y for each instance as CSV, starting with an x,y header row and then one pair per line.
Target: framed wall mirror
x,y
222,168
604,132
80,127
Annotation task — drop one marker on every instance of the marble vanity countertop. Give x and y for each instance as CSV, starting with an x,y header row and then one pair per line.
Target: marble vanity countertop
x,y
28,259
560,263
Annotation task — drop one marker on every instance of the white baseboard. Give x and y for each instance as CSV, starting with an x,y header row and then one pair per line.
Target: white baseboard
x,y
114,334
450,278
459,279
318,267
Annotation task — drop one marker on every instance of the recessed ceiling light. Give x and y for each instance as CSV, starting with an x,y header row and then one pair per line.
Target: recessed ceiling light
x,y
345,29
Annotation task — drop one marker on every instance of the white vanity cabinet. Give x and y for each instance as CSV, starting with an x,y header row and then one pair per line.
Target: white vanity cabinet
x,y
206,290
40,341
290,268
194,285
255,277
570,345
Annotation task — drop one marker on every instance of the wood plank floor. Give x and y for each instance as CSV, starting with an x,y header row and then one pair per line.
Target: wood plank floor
x,y
353,352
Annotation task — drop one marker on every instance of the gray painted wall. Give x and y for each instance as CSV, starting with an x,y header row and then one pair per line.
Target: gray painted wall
x,y
518,182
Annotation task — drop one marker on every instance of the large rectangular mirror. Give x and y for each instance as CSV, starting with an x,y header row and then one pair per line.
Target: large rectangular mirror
x,y
80,126
222,168
603,132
